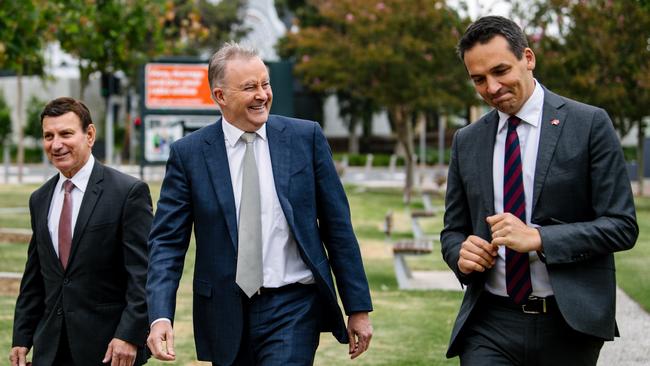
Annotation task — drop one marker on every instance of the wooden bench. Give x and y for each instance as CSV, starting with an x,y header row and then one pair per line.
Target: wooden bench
x,y
15,235
419,245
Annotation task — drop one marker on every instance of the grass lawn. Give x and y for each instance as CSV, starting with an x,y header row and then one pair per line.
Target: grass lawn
x,y
411,327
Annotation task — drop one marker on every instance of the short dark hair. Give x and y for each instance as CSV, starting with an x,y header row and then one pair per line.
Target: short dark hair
x,y
63,105
484,29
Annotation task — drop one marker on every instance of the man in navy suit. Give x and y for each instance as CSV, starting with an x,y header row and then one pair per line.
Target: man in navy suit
x,y
538,200
301,232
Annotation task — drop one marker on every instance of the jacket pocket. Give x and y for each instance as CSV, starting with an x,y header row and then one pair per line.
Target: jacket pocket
x,y
203,288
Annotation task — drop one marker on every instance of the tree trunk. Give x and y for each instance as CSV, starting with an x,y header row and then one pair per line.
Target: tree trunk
x,y
404,131
353,139
639,156
21,113
6,158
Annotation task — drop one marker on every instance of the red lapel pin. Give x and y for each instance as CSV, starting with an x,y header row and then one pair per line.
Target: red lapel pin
x,y
555,122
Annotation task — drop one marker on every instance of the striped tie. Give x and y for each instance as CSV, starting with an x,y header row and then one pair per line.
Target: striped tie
x,y
517,264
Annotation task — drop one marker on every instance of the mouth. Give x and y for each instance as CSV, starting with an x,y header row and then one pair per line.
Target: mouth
x,y
60,156
501,98
258,109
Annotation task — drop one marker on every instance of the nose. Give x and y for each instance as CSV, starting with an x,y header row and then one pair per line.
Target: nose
x,y
493,85
260,93
56,143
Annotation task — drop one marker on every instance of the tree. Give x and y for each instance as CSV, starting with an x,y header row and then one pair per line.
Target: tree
x,y
109,35
599,56
5,131
5,121
400,54
23,31
197,27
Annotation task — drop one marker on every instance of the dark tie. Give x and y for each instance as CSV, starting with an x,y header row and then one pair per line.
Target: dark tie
x,y
65,224
517,264
249,275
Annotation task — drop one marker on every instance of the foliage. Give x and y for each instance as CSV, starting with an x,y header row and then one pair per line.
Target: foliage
x,y
5,120
601,56
191,27
108,35
23,31
33,126
397,54
112,35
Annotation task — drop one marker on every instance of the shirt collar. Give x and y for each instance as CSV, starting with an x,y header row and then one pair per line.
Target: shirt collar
x,y
80,180
233,134
530,112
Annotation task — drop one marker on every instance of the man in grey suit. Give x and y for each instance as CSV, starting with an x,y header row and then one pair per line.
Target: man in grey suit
x,y
82,297
537,202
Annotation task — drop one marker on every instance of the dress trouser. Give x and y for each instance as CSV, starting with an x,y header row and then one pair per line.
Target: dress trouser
x,y
282,327
63,354
500,333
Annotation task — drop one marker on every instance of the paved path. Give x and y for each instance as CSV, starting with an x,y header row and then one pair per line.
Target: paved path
x,y
631,349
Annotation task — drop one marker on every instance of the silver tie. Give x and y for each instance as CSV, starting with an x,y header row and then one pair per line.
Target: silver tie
x,y
249,257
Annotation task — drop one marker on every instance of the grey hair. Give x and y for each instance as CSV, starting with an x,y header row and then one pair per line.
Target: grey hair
x,y
229,51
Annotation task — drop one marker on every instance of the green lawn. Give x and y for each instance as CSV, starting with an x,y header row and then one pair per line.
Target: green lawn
x,y
411,327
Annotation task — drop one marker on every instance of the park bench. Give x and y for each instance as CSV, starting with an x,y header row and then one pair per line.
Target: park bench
x,y
420,244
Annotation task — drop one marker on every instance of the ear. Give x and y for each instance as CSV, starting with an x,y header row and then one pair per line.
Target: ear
x,y
91,133
218,96
529,55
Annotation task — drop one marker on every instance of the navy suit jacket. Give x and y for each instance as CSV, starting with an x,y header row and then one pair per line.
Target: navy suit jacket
x,y
197,191
581,199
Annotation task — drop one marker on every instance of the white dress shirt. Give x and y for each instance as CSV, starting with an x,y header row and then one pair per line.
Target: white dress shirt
x,y
529,132
80,181
281,261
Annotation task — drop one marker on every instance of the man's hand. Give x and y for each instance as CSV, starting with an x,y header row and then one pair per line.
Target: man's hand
x,y
476,254
18,356
120,353
360,333
509,230
162,332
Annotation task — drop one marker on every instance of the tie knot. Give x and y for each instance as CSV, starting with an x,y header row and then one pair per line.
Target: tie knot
x,y
248,137
513,122
68,186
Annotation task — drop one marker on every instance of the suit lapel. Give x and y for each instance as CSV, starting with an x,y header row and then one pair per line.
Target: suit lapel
x,y
94,190
41,222
549,135
280,150
216,161
485,158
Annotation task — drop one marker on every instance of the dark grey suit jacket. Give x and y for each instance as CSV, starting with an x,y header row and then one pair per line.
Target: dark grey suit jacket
x,y
581,199
101,293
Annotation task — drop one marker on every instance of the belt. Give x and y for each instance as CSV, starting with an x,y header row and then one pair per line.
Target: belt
x,y
534,304
270,290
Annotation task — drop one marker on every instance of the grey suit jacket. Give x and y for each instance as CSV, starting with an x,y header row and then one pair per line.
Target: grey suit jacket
x,y
581,199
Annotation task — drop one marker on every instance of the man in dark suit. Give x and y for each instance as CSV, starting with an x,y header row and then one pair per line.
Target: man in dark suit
x,y
538,200
271,222
82,297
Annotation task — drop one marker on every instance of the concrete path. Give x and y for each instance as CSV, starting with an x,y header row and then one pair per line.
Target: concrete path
x,y
633,347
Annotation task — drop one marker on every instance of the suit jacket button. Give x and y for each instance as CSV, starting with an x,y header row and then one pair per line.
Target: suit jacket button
x,y
59,311
66,281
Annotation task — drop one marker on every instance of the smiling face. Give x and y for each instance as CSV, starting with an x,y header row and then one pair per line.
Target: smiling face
x,y
245,96
503,81
66,144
